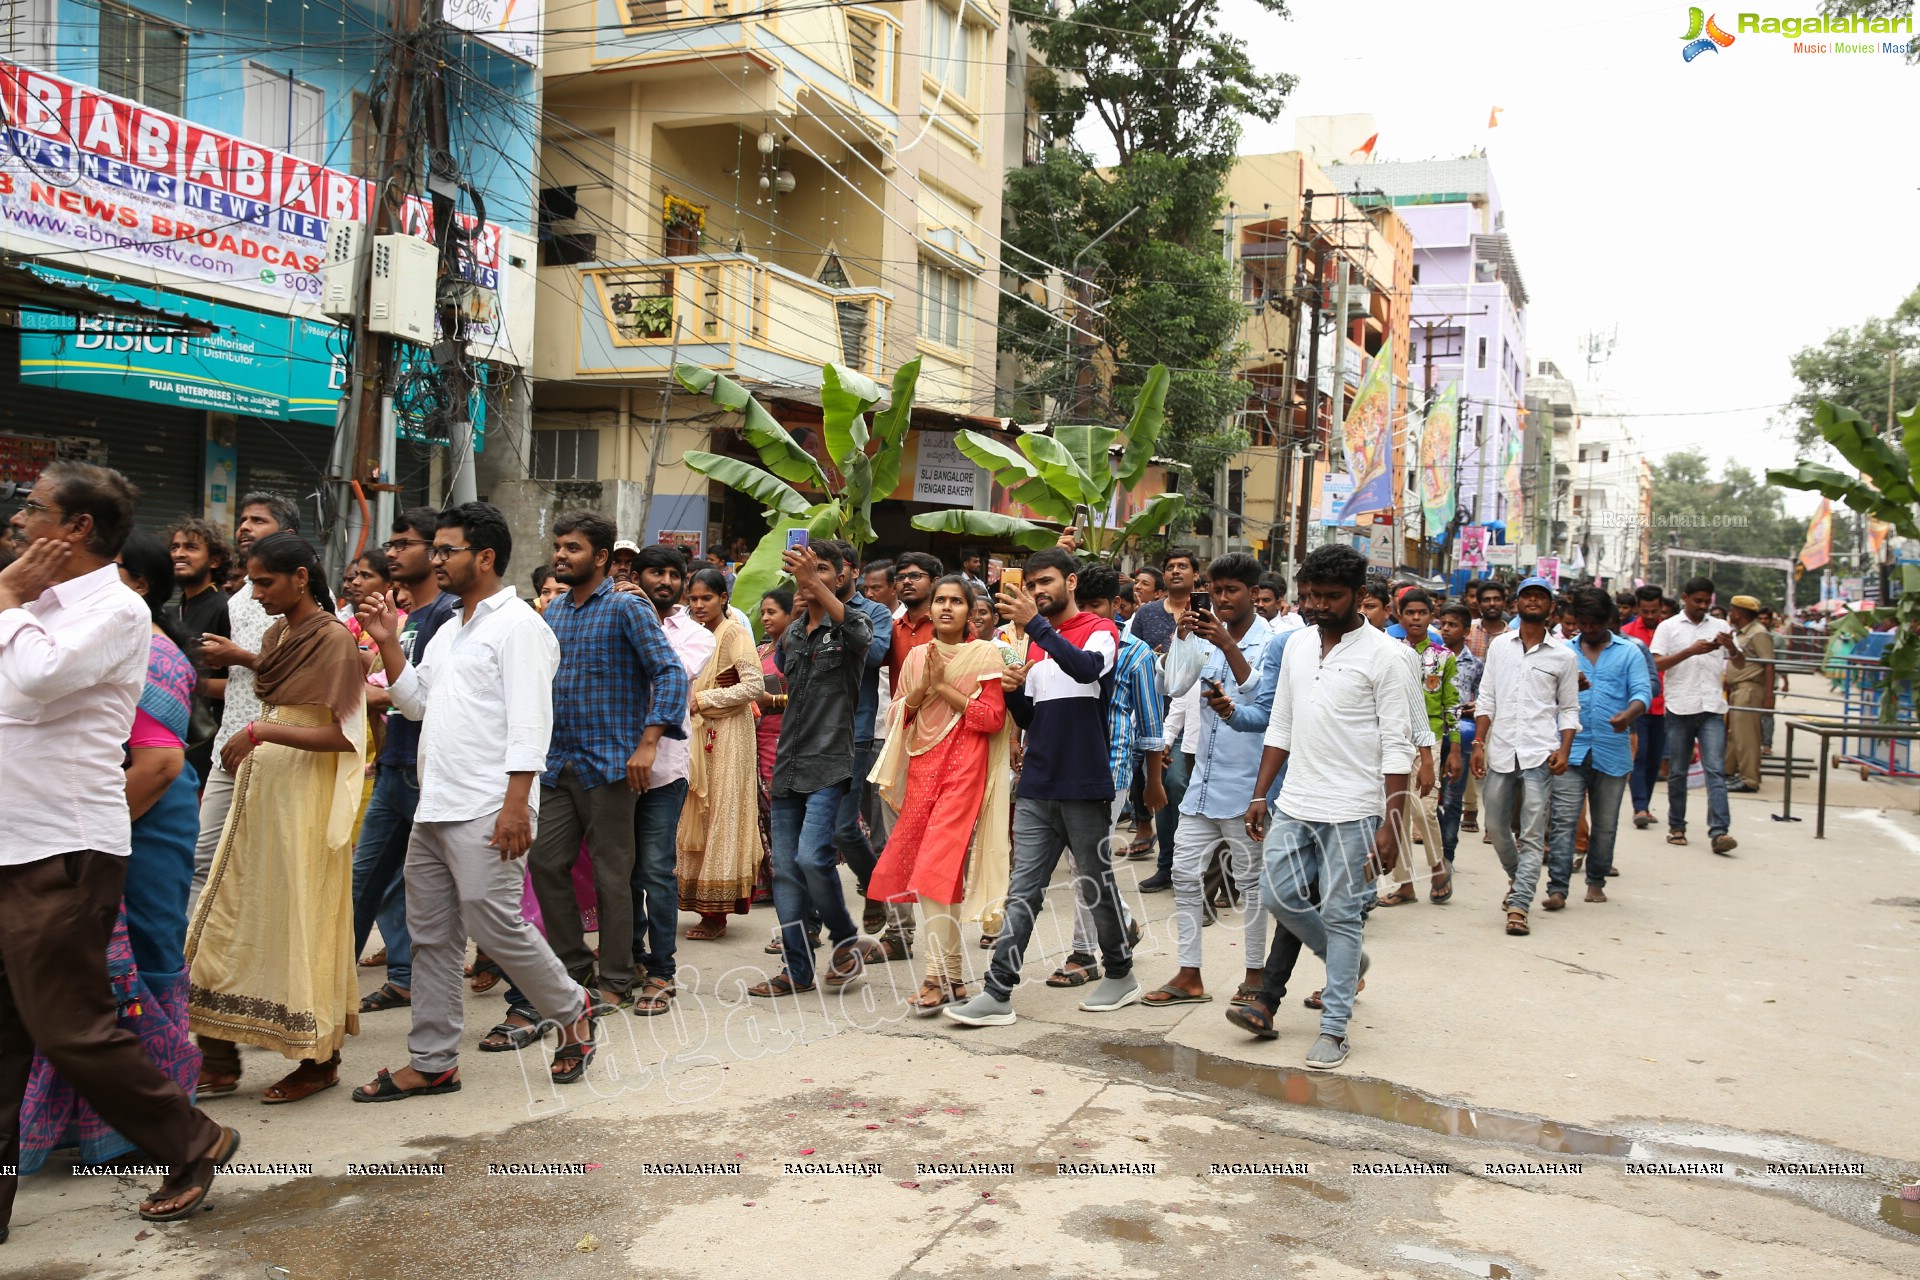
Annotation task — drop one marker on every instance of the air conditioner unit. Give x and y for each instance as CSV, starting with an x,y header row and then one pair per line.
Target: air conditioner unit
x,y
344,269
405,271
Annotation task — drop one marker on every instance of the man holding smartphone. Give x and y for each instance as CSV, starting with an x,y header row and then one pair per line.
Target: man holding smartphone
x,y
1692,650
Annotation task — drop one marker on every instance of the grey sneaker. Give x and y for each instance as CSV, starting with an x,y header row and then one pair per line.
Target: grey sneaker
x,y
1327,1053
984,1010
1112,993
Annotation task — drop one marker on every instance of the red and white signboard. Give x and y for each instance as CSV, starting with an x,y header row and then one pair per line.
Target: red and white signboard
x,y
82,169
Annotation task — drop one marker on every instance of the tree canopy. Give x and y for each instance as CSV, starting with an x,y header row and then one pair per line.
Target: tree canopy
x,y
1740,513
1851,367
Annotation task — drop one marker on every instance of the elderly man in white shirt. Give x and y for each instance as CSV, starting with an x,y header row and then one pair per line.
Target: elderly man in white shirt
x,y
73,661
1526,716
1693,649
487,676
1343,715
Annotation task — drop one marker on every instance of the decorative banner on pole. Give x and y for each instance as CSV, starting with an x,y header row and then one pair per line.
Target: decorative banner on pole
x,y
1818,548
1548,567
1473,547
1367,438
1436,459
1516,490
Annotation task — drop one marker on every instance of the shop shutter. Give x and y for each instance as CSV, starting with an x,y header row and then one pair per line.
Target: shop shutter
x,y
160,448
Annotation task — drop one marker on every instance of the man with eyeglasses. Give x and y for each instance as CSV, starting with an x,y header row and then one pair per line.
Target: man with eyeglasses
x,y
261,515
380,859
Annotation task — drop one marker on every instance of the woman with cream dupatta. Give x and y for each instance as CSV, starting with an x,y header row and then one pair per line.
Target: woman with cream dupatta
x,y
270,951
719,835
945,770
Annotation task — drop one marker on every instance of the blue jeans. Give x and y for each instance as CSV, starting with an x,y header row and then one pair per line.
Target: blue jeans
x,y
1646,762
1531,792
1453,797
1333,854
1709,730
806,879
1601,791
656,891
849,840
379,866
1174,779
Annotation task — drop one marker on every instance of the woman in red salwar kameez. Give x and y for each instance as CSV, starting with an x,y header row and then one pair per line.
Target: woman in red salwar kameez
x,y
945,771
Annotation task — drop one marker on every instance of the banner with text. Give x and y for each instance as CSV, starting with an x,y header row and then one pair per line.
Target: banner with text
x,y
1368,439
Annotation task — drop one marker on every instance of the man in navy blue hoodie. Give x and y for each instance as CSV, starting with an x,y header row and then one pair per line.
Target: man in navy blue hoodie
x,y
1065,797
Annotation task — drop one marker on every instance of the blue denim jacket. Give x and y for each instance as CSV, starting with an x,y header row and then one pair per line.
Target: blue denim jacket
x,y
1227,763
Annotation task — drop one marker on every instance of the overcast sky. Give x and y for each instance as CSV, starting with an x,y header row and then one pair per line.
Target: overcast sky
x,y
1721,214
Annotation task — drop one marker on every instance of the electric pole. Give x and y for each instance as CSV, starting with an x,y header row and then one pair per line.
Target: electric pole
x,y
1313,401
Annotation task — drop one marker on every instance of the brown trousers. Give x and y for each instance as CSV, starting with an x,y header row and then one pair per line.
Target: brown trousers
x,y
56,918
1743,731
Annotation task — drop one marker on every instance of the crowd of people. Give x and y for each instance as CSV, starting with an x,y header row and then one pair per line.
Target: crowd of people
x,y
224,795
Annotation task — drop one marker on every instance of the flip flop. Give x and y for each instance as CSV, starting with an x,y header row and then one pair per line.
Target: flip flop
x,y
1174,995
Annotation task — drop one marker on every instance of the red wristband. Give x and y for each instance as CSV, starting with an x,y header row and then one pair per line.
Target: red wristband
x,y
250,734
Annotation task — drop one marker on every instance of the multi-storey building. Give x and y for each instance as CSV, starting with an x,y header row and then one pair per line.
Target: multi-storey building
x,y
760,192
191,159
1553,428
1292,233
1469,317
1612,493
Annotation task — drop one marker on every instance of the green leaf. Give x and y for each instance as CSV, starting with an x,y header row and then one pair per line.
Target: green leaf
x,y
988,525
780,452
858,495
1854,437
1059,469
1012,472
824,522
845,397
890,429
769,491
1838,485
1143,431
762,572
1910,433
1910,580
1091,449
1155,516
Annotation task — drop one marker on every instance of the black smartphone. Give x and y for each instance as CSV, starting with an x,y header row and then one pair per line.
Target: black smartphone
x,y
1202,601
1219,690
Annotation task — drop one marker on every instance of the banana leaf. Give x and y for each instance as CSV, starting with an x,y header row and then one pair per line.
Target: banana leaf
x,y
1091,449
780,452
1854,437
762,572
845,397
1143,431
890,429
988,525
1155,516
1012,472
770,491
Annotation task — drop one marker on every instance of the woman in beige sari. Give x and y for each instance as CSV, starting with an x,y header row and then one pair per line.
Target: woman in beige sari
x,y
719,838
946,772
270,951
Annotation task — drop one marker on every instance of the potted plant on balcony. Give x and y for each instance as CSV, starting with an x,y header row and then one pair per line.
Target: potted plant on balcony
x,y
1068,476
866,461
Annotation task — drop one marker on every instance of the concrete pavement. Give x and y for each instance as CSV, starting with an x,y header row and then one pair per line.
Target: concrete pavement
x,y
1717,1016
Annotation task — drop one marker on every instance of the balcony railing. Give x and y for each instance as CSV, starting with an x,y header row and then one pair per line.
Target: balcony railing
x,y
729,311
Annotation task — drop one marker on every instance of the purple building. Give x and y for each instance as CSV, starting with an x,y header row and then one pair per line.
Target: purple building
x,y
1469,319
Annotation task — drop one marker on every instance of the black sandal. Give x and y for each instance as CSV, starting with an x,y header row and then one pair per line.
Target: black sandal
x,y
579,1053
385,1090
1255,1017
387,997
517,1038
196,1176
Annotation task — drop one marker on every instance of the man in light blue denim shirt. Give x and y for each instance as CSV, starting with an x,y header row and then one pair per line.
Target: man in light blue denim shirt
x,y
1615,691
1219,649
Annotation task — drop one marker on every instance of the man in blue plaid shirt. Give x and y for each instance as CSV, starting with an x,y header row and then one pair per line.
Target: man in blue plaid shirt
x,y
1135,731
619,690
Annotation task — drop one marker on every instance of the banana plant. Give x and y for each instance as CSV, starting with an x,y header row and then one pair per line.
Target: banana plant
x,y
865,457
1069,479
1889,492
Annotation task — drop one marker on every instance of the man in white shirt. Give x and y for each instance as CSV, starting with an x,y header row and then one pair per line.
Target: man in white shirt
x,y
73,659
1525,718
487,675
1692,650
261,515
1343,715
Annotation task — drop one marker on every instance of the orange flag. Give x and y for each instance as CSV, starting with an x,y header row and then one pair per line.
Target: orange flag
x,y
1366,148
1493,117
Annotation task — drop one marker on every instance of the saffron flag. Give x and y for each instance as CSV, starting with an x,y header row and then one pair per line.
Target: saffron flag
x,y
1366,148
1437,435
1493,117
1367,439
1819,545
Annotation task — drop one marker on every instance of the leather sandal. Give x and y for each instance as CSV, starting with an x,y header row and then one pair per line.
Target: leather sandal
x,y
655,997
1402,894
387,997
848,963
778,985
304,1081
507,1037
1517,924
1075,973
382,1088
196,1175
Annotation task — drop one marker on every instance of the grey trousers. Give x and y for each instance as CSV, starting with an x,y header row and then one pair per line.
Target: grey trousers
x,y
1042,831
457,887
1194,843
604,817
216,798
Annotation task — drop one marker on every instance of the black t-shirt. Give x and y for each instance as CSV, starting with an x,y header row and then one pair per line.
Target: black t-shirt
x,y
198,615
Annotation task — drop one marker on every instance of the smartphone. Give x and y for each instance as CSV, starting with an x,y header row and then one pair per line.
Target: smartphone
x,y
798,538
1013,578
1219,690
1202,601
776,684
996,569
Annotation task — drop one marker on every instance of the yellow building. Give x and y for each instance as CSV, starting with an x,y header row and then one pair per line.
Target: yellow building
x,y
759,194
1290,232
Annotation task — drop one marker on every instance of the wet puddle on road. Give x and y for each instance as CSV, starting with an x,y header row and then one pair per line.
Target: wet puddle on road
x,y
1485,1268
1136,1230
1375,1098
1900,1213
